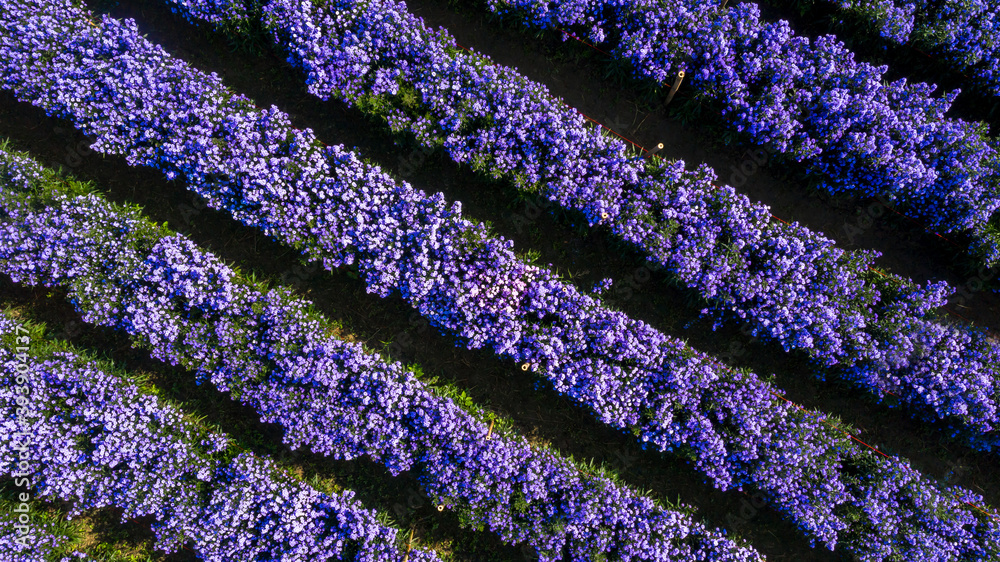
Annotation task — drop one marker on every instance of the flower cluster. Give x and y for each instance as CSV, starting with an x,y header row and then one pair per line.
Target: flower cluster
x,y
225,14
963,33
808,101
794,285
36,541
272,352
98,441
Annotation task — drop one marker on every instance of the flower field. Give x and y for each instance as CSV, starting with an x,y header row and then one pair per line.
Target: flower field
x,y
314,280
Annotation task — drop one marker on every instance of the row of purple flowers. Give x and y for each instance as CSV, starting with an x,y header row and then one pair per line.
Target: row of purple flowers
x,y
792,284
273,353
963,33
807,101
92,439
142,103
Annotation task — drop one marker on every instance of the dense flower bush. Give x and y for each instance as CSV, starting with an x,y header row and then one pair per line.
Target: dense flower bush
x,y
94,440
271,352
894,19
807,100
225,14
963,33
792,284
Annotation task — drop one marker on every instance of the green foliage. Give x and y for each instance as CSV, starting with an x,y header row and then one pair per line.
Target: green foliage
x,y
518,502
408,98
375,104
668,228
531,255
